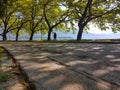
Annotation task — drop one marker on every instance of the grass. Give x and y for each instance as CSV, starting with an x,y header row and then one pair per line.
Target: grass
x,y
3,77
1,49
1,88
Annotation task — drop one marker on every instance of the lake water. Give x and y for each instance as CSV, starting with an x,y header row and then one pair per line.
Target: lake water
x,y
67,36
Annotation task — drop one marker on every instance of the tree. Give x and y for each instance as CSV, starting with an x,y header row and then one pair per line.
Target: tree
x,y
7,22
20,25
54,16
35,17
21,8
9,18
32,14
3,4
104,13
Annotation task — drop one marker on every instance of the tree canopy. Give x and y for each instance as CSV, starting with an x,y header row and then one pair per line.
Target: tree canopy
x,y
104,13
34,16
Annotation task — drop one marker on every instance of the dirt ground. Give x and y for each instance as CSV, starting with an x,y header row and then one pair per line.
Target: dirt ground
x,y
69,66
12,77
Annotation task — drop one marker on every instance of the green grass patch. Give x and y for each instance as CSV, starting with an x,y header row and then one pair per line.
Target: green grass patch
x,y
1,88
1,49
3,77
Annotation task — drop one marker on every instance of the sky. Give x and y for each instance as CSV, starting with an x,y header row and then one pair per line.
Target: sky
x,y
96,30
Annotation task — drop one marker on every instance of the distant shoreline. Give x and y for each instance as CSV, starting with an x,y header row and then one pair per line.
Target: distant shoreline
x,y
67,36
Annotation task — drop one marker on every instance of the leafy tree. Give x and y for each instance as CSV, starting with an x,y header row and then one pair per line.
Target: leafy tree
x,y
49,15
19,25
104,13
3,5
34,18
32,14
8,21
9,18
54,16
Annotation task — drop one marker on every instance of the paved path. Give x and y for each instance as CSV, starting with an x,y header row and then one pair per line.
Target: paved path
x,y
69,66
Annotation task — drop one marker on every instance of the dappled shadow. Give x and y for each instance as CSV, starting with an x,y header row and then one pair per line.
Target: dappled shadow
x,y
99,60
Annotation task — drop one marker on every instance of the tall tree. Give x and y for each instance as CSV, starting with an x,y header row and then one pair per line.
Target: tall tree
x,y
19,27
32,13
35,17
54,15
8,20
104,13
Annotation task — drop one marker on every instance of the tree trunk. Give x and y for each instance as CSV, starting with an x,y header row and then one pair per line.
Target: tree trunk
x,y
41,35
49,35
17,35
4,37
31,36
80,32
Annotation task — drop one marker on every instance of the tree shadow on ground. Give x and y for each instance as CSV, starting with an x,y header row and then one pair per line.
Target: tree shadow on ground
x,y
99,60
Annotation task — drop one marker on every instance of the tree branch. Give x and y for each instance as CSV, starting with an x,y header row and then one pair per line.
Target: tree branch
x,y
91,17
38,23
88,5
45,16
12,24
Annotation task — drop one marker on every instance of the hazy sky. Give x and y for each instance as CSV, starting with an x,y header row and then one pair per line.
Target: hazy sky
x,y
98,31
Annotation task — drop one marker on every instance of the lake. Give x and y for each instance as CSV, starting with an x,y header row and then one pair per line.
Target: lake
x,y
67,36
